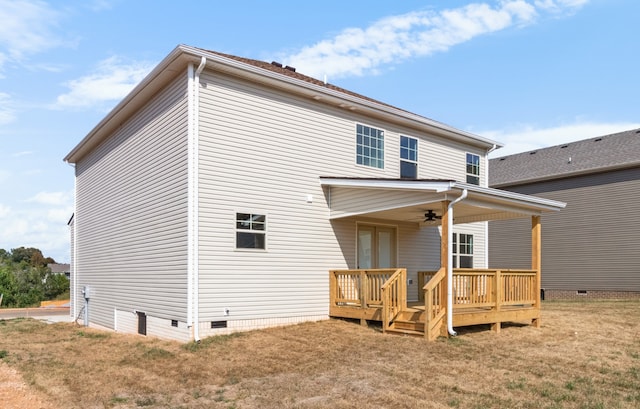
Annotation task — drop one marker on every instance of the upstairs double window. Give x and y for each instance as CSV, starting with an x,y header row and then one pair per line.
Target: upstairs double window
x,y
369,146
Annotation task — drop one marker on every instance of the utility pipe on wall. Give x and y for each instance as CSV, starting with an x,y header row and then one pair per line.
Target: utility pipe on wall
x,y
450,262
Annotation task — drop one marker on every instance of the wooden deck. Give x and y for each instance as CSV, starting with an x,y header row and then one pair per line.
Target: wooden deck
x,y
487,296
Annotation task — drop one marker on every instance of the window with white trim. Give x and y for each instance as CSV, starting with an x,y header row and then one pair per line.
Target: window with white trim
x,y
473,169
408,157
369,146
251,230
462,250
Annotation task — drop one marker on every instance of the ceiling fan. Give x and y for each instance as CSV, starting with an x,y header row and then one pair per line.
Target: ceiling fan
x,y
431,216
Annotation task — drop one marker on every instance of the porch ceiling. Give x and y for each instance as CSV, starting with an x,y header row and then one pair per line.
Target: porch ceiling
x,y
408,200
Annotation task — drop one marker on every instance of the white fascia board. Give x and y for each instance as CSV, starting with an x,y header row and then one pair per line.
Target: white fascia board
x,y
527,200
435,186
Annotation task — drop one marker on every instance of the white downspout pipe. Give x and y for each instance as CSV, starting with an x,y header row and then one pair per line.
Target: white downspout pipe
x,y
195,214
450,262
190,267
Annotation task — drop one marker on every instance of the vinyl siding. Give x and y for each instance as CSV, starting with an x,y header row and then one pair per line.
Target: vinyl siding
x,y
131,213
74,300
262,151
590,245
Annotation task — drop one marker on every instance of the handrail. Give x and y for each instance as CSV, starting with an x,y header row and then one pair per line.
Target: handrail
x,y
434,304
360,287
394,297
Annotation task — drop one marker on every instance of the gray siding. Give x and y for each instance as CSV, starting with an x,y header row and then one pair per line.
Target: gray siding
x,y
263,151
590,245
131,213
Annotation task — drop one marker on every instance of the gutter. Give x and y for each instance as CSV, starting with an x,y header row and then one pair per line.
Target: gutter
x,y
450,329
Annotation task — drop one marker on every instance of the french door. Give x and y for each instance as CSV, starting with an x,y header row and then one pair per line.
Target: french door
x,y
376,246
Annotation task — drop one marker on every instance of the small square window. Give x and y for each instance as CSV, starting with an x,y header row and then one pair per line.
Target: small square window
x,y
250,231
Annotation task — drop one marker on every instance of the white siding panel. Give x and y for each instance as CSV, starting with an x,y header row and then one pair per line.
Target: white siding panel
x,y
349,201
131,213
263,152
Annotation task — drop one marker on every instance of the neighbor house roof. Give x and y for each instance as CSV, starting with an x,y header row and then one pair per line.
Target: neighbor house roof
x,y
604,153
272,74
59,268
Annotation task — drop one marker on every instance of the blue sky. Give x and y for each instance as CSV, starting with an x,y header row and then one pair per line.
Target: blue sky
x,y
528,73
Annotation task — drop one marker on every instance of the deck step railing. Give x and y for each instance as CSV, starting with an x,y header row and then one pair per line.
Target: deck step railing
x,y
394,297
435,304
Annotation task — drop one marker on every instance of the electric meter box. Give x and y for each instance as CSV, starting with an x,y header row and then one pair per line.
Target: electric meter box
x,y
88,292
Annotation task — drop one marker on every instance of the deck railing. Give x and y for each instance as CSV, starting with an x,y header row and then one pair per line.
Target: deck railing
x,y
479,288
394,297
358,287
435,301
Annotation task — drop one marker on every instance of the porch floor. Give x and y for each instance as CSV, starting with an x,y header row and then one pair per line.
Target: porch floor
x,y
411,320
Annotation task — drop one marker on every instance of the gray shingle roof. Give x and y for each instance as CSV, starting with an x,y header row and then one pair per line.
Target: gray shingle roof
x,y
615,151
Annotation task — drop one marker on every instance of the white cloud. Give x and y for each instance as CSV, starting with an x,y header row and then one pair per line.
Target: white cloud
x,y
111,81
28,27
23,153
356,51
51,198
41,222
7,113
4,210
528,138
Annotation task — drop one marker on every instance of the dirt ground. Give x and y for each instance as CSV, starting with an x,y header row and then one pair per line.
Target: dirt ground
x,y
15,394
586,355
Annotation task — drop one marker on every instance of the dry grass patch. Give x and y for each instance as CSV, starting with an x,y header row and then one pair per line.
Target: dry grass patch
x,y
586,355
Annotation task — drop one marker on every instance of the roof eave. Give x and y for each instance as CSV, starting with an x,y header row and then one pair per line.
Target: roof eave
x,y
180,56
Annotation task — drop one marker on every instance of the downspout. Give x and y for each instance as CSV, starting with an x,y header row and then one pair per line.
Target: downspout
x,y
450,262
196,207
190,138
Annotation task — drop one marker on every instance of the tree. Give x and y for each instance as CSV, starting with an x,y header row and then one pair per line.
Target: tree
x,y
25,279
31,256
54,285
8,286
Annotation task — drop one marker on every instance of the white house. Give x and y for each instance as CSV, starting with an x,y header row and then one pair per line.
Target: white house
x,y
221,191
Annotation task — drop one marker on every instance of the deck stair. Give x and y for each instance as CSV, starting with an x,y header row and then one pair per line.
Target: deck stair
x,y
408,322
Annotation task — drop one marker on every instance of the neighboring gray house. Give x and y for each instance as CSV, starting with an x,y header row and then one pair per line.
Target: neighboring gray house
x,y
58,268
221,191
590,248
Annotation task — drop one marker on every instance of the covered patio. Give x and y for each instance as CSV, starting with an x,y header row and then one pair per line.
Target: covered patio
x,y
449,297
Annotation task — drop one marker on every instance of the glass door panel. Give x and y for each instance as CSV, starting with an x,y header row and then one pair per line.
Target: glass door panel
x,y
366,235
376,247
